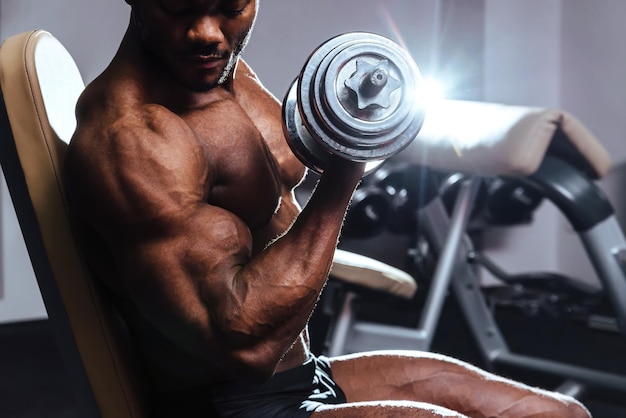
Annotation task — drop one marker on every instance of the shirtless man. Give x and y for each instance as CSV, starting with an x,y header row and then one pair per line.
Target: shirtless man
x,y
182,185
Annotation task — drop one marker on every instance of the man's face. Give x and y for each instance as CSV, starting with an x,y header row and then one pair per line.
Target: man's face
x,y
197,41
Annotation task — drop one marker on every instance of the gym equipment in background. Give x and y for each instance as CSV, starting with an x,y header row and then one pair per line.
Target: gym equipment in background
x,y
496,164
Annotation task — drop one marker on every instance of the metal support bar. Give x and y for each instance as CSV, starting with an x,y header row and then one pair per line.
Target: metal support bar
x,y
572,388
594,378
448,259
465,285
606,247
342,326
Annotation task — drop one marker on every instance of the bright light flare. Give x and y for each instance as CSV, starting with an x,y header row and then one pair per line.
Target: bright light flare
x,y
433,91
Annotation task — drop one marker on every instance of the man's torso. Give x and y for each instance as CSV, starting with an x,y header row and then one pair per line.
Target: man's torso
x,y
239,137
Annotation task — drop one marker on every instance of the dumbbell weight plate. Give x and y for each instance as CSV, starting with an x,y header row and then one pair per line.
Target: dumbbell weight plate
x,y
328,110
300,140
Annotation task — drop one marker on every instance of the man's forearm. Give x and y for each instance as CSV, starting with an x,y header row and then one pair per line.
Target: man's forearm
x,y
277,291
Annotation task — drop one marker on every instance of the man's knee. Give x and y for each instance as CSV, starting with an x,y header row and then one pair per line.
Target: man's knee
x,y
547,405
572,407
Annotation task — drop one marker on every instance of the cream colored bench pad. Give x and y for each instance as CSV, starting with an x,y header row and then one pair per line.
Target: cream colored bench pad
x,y
358,269
489,138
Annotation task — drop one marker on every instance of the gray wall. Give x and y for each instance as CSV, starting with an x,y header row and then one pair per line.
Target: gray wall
x,y
288,32
89,29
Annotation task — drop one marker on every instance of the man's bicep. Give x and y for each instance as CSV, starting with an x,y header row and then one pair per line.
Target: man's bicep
x,y
200,247
181,280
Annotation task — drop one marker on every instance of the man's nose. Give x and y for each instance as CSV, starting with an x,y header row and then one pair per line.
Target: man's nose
x,y
206,29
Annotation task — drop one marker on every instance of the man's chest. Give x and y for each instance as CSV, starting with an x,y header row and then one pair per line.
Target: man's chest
x,y
246,163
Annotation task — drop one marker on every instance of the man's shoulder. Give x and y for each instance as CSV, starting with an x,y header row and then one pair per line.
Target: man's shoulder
x,y
109,98
113,112
117,129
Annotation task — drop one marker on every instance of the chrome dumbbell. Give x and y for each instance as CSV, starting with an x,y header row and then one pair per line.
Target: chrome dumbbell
x,y
357,97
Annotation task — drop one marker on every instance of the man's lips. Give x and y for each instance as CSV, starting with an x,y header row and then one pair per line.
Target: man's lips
x,y
205,61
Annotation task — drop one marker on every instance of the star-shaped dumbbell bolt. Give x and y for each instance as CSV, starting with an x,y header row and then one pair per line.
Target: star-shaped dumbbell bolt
x,y
372,84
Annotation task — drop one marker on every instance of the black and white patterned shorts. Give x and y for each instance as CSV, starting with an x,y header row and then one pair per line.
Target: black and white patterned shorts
x,y
297,392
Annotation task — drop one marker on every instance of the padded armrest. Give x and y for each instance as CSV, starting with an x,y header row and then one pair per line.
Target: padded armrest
x,y
496,139
358,269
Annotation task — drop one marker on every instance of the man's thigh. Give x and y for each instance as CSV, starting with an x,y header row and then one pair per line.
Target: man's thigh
x,y
444,381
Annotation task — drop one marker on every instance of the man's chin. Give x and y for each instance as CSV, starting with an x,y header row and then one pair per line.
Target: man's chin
x,y
202,87
201,83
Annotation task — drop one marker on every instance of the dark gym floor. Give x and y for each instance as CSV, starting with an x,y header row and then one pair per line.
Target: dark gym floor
x,y
34,384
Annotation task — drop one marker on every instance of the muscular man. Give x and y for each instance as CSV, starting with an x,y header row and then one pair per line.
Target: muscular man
x,y
182,185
